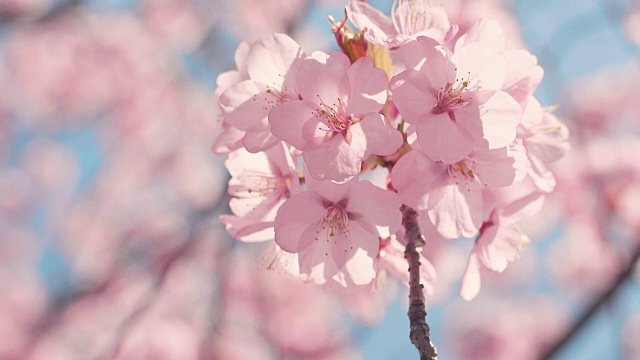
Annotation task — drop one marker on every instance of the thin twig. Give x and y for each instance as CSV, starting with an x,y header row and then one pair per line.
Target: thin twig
x,y
419,329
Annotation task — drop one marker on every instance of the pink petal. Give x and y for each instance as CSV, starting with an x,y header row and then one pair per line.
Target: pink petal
x,y
412,95
240,57
335,160
469,118
259,208
248,230
412,19
244,105
283,165
380,138
456,210
426,55
541,175
442,139
412,177
368,87
359,268
379,26
278,260
344,244
289,119
494,167
482,66
357,256
274,60
378,207
228,140
524,207
500,116
329,190
315,261
429,231
392,259
225,80
532,115
470,286
549,141
323,78
523,74
488,32
294,217
259,141
499,245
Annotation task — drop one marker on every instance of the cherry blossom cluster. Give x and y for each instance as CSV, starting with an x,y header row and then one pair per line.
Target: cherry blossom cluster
x,y
446,116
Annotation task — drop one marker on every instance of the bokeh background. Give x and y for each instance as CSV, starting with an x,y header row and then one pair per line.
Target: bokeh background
x,y
110,247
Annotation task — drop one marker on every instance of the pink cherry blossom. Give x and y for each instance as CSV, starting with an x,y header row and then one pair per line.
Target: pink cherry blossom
x,y
451,194
334,229
505,329
586,258
545,140
500,241
455,101
229,138
260,183
180,24
409,20
232,77
112,58
252,19
271,66
524,75
464,14
523,72
280,314
336,123
485,31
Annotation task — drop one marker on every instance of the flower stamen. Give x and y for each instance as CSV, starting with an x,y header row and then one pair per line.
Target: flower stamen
x,y
453,97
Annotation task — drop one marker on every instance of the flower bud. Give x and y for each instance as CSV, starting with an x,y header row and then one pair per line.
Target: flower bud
x,y
351,42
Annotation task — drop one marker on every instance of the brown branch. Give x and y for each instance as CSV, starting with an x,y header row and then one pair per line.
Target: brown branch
x,y
595,305
419,329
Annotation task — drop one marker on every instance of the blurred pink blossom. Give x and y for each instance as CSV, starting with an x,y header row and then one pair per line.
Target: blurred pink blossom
x,y
501,329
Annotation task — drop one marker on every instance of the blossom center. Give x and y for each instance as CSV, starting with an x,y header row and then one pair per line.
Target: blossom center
x,y
336,218
276,97
462,169
452,97
263,184
335,117
410,16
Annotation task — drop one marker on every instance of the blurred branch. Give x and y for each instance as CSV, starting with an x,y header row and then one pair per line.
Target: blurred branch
x,y
61,9
165,267
295,24
52,13
595,305
56,313
419,329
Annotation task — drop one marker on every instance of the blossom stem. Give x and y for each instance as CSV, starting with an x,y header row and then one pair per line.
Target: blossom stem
x,y
595,305
419,329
